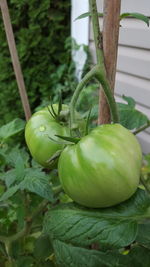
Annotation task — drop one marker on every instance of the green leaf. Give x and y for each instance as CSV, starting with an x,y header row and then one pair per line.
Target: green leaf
x,y
67,255
37,182
143,237
10,192
131,102
25,261
43,247
17,155
2,159
87,14
9,177
19,168
129,116
109,228
84,15
11,128
137,16
2,189
137,257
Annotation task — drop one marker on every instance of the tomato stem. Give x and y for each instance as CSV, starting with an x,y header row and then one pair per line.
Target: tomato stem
x,y
100,76
98,71
97,34
75,96
104,81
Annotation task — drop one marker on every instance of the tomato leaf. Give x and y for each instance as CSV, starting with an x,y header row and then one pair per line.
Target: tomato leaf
x,y
143,236
130,117
16,155
131,102
9,177
109,228
43,247
137,16
37,182
25,261
87,14
9,193
68,255
12,128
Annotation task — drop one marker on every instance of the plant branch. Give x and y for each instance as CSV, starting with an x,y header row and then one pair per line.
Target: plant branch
x,y
76,94
100,75
27,226
142,128
109,95
97,34
98,71
105,107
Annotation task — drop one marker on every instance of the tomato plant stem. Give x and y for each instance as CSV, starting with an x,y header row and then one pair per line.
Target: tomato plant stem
x,y
8,240
98,73
97,34
101,76
76,94
98,40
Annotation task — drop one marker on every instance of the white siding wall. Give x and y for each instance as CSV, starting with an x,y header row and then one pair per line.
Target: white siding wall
x,y
133,66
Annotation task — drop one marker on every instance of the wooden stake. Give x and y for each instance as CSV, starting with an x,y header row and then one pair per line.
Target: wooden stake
x,y
110,48
14,57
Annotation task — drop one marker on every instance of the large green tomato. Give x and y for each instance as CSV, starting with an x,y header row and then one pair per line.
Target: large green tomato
x,y
103,168
38,129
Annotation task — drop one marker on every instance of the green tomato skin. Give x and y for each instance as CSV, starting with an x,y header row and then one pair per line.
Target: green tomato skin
x,y
38,129
103,169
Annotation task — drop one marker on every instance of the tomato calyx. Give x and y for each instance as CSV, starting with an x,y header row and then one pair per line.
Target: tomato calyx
x,y
60,115
72,140
54,157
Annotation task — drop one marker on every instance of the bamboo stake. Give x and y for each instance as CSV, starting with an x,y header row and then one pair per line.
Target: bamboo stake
x,y
15,58
110,48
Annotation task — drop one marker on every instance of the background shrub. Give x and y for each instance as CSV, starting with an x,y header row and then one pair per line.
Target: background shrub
x,y
41,31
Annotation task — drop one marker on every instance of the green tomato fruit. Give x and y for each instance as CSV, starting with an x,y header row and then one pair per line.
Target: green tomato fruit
x,y
103,169
39,129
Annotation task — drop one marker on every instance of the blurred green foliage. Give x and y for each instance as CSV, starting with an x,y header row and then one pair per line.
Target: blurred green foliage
x,y
42,30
